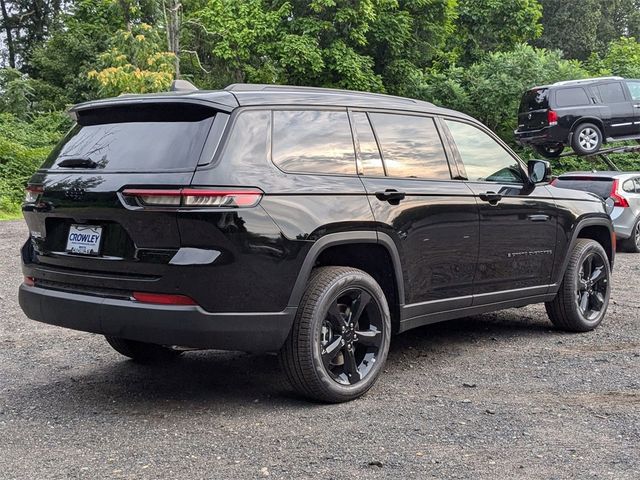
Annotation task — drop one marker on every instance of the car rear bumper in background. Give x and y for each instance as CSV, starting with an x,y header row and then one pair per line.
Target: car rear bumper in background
x,y
542,136
623,221
188,326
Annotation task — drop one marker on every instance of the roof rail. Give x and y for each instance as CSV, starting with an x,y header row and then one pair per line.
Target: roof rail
x,y
586,80
182,86
252,87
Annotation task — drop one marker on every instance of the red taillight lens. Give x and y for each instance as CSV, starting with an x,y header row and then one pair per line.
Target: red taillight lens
x,y
552,118
32,193
618,200
196,197
163,298
29,281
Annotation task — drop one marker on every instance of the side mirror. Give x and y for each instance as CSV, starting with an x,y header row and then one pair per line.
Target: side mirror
x,y
539,171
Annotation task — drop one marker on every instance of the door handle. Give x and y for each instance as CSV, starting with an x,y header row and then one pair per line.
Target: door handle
x,y
390,195
637,105
538,218
492,197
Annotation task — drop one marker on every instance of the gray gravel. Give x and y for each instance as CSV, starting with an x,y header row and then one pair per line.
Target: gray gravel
x,y
494,396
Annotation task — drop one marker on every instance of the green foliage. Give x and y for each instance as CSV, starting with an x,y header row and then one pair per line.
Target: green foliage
x,y
135,63
494,25
622,58
23,147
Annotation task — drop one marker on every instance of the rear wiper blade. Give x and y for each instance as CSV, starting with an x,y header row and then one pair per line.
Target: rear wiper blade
x,y
78,163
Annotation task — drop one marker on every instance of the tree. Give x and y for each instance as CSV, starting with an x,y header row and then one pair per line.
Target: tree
x,y
494,26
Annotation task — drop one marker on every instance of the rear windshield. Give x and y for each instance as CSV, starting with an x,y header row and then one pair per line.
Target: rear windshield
x,y
599,186
535,100
135,138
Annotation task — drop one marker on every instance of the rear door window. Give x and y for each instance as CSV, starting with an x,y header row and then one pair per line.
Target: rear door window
x,y
367,146
634,88
611,93
571,97
600,186
411,146
136,138
313,141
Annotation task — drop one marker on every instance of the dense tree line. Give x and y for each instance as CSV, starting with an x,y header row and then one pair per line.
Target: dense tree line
x,y
473,55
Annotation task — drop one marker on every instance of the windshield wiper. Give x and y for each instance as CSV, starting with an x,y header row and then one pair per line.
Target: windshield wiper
x,y
79,162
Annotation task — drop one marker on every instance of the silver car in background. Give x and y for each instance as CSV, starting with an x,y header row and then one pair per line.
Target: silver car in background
x,y
624,189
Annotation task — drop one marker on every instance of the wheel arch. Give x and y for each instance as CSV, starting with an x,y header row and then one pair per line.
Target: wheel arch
x,y
596,121
370,251
599,229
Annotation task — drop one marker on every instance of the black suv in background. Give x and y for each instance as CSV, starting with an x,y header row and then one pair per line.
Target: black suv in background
x,y
582,114
310,222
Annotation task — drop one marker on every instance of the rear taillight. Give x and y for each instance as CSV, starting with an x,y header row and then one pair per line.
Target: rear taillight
x,y
29,281
618,200
552,118
163,298
32,193
194,197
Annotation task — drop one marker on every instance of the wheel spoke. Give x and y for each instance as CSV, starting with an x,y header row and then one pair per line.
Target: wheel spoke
x,y
597,301
358,305
597,274
336,315
589,267
331,351
584,301
369,338
351,367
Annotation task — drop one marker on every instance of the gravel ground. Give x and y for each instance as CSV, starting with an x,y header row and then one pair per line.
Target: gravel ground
x,y
489,397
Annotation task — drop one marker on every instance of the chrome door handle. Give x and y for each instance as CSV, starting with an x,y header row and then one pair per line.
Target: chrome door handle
x,y
538,218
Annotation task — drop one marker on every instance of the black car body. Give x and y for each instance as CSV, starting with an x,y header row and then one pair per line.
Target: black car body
x,y
553,116
215,208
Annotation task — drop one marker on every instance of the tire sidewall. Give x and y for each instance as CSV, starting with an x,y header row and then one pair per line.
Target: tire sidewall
x,y
339,286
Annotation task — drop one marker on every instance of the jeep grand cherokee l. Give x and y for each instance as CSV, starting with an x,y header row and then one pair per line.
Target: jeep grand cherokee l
x,y
310,222
583,114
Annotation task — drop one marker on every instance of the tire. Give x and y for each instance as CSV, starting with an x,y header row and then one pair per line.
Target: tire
x,y
324,355
549,151
632,244
569,310
142,352
586,139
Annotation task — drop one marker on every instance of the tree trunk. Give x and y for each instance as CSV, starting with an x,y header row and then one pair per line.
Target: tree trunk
x,y
172,17
6,21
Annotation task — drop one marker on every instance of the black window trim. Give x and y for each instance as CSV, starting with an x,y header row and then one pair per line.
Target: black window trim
x,y
497,139
444,143
298,108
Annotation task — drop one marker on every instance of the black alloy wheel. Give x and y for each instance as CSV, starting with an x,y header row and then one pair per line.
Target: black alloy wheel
x,y
351,336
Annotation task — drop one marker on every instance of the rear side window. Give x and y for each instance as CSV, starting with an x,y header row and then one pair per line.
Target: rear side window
x,y
411,146
367,146
634,88
600,186
535,100
571,97
484,159
313,141
137,138
611,93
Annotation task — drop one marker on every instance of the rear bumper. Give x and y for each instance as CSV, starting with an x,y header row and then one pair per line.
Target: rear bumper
x,y
543,136
188,326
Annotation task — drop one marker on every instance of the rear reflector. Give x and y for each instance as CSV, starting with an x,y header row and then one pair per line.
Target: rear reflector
x,y
163,298
618,200
29,281
196,197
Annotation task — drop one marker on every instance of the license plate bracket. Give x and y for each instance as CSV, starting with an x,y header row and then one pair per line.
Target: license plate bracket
x,y
84,239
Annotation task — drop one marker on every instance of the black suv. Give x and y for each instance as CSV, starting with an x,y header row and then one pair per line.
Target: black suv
x,y
310,222
581,113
